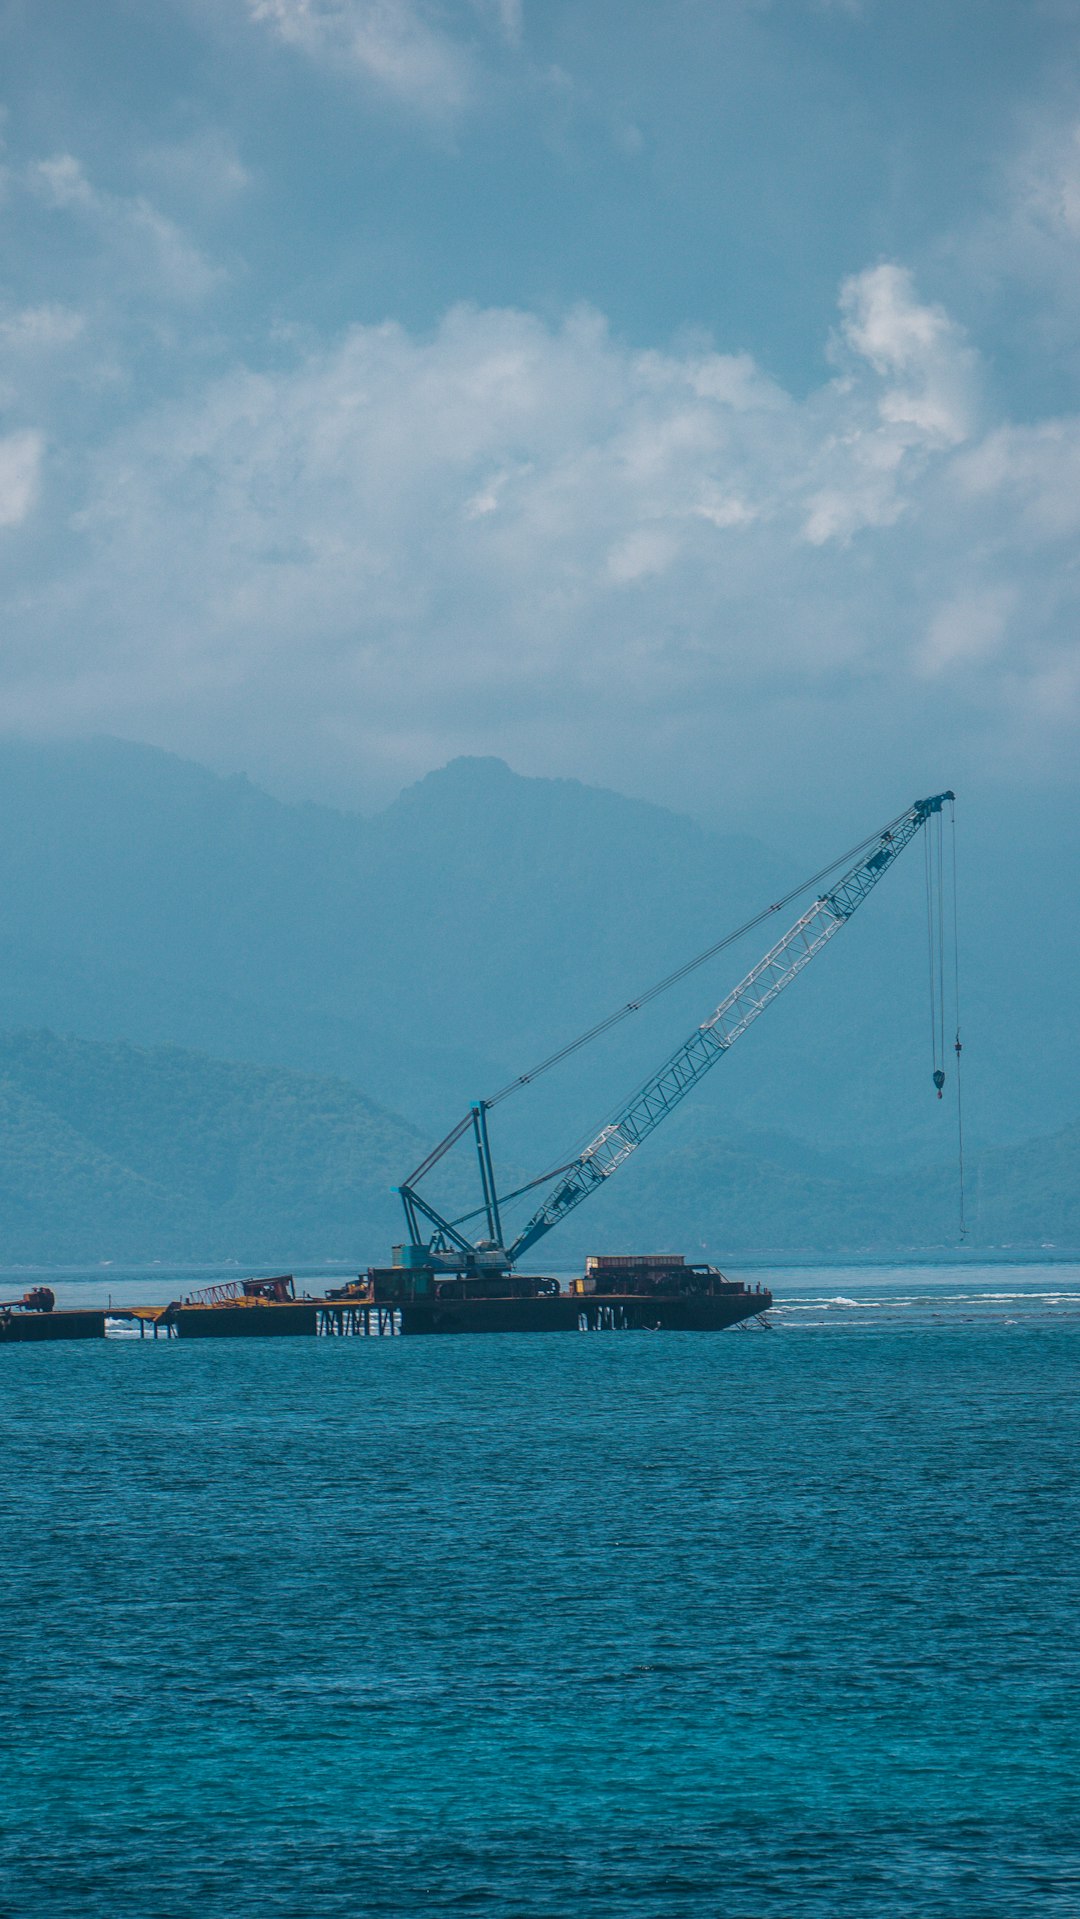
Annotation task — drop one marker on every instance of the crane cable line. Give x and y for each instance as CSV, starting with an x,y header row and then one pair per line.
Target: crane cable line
x,y
653,992
938,930
941,922
681,972
446,1249
505,1198
942,929
643,999
632,1006
957,1047
935,942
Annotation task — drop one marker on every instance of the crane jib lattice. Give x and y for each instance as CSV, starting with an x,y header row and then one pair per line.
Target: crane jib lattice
x,y
667,1087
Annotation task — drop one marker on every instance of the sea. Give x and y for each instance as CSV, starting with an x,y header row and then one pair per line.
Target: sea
x,y
776,1623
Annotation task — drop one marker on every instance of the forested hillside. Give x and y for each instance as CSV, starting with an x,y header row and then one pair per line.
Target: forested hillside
x,y
756,1195
115,1152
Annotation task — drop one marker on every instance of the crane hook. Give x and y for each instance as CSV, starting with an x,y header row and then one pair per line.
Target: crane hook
x,y
939,1081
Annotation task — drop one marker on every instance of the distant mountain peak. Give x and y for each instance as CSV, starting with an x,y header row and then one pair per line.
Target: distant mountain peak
x,y
478,778
472,768
469,772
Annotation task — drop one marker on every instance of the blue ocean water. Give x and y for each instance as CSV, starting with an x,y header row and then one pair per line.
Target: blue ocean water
x,y
750,1625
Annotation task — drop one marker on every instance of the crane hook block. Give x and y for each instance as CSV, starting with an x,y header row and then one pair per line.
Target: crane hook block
x,y
939,1081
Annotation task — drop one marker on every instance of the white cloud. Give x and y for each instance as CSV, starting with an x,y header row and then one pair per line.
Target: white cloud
x,y
1021,257
32,341
145,250
1046,182
724,510
926,366
394,43
509,16
968,629
20,476
641,554
1031,476
507,526
883,433
204,171
39,329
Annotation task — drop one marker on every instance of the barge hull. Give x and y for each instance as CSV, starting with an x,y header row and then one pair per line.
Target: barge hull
x,y
24,1328
570,1312
245,1322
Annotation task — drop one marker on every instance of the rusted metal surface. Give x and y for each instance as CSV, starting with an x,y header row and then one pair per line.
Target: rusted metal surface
x,y
229,1291
245,1319
593,1312
31,1327
40,1299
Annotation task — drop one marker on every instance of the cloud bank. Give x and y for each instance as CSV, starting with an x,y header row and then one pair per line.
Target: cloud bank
x,y
20,476
399,46
516,536
135,242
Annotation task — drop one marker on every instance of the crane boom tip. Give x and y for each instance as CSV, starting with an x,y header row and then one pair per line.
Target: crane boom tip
x,y
924,808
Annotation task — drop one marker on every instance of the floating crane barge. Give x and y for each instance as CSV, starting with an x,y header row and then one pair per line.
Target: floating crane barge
x,y
443,1280
618,1293
624,1293
448,1280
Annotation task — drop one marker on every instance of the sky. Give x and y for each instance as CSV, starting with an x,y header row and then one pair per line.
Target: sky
x,y
678,395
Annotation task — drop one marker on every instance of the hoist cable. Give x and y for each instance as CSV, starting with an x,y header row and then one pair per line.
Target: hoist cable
x,y
941,928
958,1049
928,874
690,966
505,1198
643,999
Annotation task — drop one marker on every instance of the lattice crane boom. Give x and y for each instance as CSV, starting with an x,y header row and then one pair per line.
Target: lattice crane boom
x,y
667,1087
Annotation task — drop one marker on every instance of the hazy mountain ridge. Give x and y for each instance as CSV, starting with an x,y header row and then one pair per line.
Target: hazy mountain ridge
x,y
114,1152
431,953
428,953
723,1199
118,1152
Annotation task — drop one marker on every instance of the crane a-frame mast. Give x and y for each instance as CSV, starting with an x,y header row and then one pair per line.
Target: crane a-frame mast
x,y
670,1084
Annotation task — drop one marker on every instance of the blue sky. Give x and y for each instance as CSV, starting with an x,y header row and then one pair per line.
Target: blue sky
x,y
680,396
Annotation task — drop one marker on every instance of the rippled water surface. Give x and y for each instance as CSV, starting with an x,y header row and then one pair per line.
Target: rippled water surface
x,y
749,1624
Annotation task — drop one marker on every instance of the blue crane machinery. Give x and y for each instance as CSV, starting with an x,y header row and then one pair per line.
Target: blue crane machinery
x,y
437,1242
